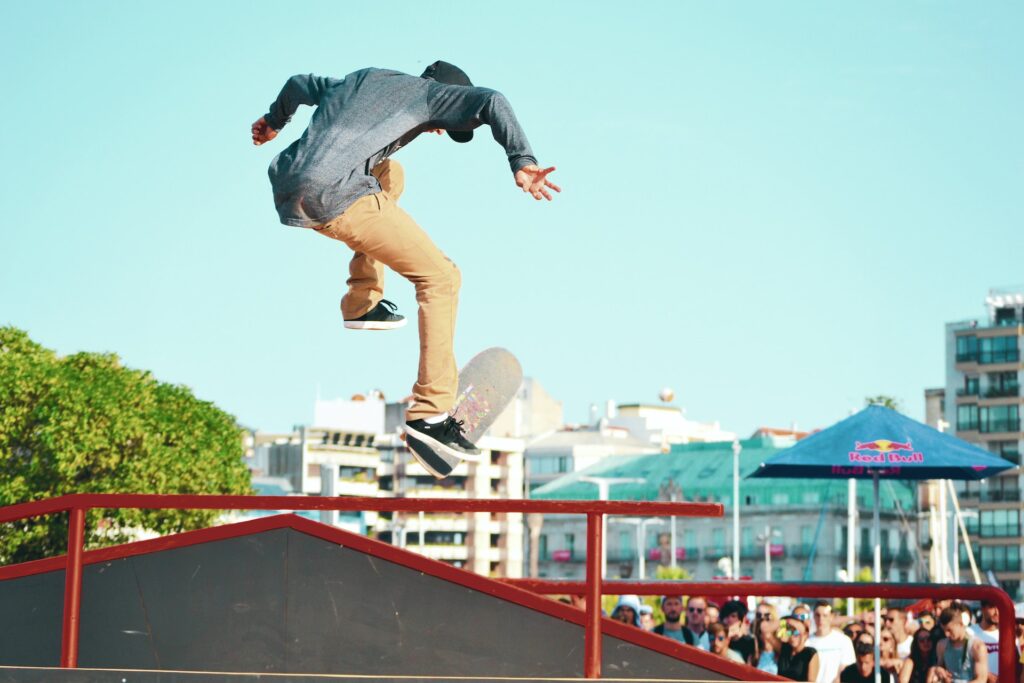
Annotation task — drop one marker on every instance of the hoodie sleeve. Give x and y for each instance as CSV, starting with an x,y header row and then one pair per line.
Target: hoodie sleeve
x,y
300,89
463,108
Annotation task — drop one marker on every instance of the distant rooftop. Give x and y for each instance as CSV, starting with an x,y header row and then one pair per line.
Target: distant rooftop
x,y
703,472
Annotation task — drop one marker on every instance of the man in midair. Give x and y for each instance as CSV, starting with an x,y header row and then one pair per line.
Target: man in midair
x,y
339,179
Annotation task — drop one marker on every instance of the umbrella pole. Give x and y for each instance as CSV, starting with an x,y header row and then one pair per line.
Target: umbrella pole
x,y
877,571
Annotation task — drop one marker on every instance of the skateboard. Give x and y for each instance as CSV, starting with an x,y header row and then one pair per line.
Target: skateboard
x,y
487,384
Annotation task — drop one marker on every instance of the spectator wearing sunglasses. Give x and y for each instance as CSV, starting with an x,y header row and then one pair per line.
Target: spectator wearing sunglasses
x,y
766,640
719,639
922,656
694,632
797,661
896,621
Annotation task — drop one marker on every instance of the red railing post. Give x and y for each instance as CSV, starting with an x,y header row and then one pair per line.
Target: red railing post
x,y
595,551
1007,634
72,588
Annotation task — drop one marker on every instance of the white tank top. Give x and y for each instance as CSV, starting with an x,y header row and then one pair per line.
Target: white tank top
x,y
991,640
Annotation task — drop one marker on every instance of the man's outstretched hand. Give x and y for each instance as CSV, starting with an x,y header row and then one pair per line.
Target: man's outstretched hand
x,y
534,179
262,132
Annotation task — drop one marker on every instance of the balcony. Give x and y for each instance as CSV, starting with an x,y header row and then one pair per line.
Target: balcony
x,y
993,357
1006,391
866,554
1000,426
1007,564
714,552
803,550
999,531
682,554
1002,496
966,391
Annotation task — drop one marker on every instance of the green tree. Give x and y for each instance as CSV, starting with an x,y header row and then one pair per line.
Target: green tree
x,y
860,605
85,424
884,401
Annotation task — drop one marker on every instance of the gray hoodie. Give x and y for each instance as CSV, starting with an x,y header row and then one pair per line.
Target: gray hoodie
x,y
365,118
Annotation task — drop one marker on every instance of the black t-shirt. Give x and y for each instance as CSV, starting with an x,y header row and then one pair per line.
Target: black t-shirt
x,y
795,666
851,674
745,646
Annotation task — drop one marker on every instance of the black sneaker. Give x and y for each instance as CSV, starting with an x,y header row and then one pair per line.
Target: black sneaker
x,y
438,464
446,437
381,317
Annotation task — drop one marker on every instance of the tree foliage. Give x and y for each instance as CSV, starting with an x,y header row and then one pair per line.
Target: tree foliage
x,y
884,401
85,424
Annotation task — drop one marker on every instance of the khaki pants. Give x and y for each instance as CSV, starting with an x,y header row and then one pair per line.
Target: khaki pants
x,y
382,234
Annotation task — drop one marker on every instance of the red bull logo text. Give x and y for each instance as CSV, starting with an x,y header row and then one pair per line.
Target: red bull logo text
x,y
884,452
859,471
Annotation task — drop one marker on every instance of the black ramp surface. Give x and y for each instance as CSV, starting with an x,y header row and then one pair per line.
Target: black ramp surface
x,y
284,601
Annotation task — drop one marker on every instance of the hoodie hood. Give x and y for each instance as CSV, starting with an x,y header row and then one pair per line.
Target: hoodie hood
x,y
631,601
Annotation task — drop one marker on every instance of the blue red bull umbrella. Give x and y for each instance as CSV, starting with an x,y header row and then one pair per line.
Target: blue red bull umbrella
x,y
879,443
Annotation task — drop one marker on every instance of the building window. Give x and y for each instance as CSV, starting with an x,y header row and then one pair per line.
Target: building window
x,y
777,574
1002,384
970,387
998,350
542,547
780,499
999,523
718,542
999,558
1008,450
966,348
967,418
996,419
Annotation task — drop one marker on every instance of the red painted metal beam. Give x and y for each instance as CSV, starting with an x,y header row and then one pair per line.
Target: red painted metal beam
x,y
592,631
935,591
72,589
212,502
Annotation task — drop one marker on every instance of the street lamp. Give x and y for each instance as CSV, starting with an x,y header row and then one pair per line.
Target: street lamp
x,y
641,534
603,484
670,490
766,538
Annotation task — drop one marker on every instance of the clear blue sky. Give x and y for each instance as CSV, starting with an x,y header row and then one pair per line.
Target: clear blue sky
x,y
772,208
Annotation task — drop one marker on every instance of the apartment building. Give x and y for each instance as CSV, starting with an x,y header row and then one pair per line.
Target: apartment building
x,y
983,404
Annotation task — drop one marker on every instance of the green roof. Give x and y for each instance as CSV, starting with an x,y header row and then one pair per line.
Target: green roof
x,y
703,471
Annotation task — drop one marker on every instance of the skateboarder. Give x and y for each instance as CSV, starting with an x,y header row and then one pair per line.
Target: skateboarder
x,y
339,180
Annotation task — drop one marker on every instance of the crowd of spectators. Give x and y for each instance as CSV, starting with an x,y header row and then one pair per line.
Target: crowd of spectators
x,y
951,644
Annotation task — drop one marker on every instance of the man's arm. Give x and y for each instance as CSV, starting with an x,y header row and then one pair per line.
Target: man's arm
x,y
300,89
459,107
979,652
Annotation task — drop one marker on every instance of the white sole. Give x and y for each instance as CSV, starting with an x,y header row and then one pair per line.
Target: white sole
x,y
373,325
437,445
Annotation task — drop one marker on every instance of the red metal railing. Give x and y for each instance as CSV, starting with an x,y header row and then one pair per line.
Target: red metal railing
x,y
593,588
77,505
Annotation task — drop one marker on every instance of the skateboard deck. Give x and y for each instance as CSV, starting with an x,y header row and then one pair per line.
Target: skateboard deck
x,y
487,385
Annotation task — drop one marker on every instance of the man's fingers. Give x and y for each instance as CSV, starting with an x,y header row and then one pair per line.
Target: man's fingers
x,y
547,195
554,187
